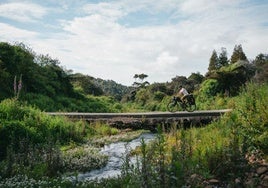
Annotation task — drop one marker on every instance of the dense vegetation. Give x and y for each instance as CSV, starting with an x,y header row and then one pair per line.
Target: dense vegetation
x,y
50,87
47,85
38,146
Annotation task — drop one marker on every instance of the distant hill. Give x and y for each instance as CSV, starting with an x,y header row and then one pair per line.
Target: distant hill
x,y
111,88
97,86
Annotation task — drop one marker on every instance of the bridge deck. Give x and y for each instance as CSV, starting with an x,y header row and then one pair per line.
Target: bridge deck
x,y
181,114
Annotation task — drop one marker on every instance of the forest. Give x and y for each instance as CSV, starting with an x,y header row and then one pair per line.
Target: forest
x,y
36,146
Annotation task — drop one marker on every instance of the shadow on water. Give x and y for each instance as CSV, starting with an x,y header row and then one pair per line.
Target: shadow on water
x,y
116,152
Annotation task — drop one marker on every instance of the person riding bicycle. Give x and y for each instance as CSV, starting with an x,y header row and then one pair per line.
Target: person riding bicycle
x,y
182,100
183,93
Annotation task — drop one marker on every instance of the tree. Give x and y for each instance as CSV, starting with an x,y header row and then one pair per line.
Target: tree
x,y
85,84
208,89
142,83
223,59
15,60
5,89
196,77
233,76
40,74
136,76
213,62
261,59
238,54
142,76
261,63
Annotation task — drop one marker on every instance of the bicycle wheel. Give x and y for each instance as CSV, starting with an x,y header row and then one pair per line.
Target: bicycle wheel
x,y
190,105
172,106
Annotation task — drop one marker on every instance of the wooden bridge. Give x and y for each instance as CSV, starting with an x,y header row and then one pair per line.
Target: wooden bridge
x,y
146,120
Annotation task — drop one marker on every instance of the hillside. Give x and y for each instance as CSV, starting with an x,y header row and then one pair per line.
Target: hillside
x,y
41,81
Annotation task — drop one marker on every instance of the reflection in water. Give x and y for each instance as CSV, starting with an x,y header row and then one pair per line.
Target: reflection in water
x,y
115,151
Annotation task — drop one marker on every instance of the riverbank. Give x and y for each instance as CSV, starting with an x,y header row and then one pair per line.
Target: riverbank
x,y
99,157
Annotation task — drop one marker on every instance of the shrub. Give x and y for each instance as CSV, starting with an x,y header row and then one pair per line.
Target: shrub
x,y
82,159
251,109
18,122
158,96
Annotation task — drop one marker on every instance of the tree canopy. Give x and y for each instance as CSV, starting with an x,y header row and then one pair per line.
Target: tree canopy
x,y
238,54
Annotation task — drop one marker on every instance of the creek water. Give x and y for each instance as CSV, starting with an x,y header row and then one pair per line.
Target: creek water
x,y
116,152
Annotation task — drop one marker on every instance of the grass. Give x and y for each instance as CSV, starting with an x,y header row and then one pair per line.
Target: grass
x,y
181,157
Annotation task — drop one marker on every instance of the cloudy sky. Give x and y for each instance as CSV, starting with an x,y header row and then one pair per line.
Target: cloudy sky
x,y
116,39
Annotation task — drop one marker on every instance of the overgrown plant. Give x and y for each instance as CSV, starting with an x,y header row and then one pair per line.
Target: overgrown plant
x,y
252,113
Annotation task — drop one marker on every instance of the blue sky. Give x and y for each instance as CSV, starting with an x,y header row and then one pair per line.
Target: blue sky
x,y
118,39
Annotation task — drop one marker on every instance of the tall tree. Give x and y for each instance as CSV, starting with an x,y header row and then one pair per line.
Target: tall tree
x,y
141,78
213,62
238,54
223,59
197,78
261,64
261,59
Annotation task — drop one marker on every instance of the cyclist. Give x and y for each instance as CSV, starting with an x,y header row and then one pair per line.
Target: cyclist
x,y
183,93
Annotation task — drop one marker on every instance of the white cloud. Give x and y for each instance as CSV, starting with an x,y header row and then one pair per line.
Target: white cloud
x,y
108,10
96,43
13,34
22,12
105,45
193,7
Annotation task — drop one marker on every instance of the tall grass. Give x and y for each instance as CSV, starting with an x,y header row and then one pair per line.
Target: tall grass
x,y
19,121
30,142
251,110
190,157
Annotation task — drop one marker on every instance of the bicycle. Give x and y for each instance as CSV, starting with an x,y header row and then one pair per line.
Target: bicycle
x,y
187,104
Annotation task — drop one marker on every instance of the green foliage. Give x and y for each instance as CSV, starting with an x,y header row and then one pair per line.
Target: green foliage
x,y
196,78
223,59
213,62
30,140
158,96
208,89
261,63
61,103
189,157
142,96
111,88
183,157
18,122
46,84
238,54
173,160
252,112
104,129
41,101
141,83
232,77
82,159
85,84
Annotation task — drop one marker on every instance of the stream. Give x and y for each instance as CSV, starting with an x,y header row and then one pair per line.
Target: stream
x,y
116,152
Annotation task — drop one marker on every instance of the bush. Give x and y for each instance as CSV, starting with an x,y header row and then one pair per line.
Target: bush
x,y
158,96
83,159
251,109
18,122
41,101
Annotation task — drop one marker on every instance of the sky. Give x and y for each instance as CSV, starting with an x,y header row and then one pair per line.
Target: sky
x,y
116,39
